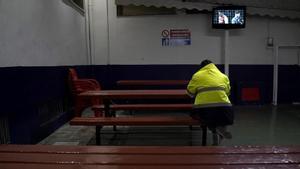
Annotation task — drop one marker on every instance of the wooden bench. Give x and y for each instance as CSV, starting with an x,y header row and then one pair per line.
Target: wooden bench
x,y
150,107
98,109
99,122
148,157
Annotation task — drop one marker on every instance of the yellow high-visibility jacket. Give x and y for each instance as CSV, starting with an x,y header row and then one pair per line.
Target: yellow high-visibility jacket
x,y
210,87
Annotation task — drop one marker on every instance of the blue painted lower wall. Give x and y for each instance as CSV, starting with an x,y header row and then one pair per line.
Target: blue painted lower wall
x,y
36,100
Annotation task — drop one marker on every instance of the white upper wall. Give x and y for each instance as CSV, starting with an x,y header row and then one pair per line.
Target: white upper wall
x,y
137,39
99,31
50,33
41,33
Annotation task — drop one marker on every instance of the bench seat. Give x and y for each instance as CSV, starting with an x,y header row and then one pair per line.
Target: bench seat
x,y
134,121
137,121
148,157
187,106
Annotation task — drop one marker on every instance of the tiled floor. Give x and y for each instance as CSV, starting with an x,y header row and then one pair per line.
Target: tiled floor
x,y
254,125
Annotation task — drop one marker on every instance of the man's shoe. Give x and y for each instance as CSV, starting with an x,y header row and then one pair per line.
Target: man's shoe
x,y
217,139
225,134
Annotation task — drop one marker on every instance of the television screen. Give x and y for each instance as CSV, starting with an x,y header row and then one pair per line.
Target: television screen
x,y
229,17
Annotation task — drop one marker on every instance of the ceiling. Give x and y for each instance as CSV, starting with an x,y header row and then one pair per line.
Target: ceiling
x,y
273,8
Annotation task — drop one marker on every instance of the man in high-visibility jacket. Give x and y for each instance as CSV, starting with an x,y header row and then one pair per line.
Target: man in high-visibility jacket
x,y
211,88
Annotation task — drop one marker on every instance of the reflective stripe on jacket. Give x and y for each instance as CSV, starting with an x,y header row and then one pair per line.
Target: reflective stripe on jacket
x,y
210,87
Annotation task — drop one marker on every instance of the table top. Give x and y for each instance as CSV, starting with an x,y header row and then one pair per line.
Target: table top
x,y
148,157
137,94
151,82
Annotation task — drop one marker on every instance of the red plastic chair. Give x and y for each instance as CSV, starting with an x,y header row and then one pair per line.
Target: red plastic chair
x,y
78,86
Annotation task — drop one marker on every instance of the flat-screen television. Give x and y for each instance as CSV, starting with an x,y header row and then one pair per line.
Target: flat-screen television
x,y
229,17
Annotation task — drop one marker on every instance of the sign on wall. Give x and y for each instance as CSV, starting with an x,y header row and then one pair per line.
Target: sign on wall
x,y
175,37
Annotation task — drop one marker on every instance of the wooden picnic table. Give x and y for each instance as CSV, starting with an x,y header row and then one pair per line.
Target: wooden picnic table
x,y
148,157
108,95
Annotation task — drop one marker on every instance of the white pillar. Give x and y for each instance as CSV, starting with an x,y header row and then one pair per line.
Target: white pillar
x,y
275,75
226,52
87,30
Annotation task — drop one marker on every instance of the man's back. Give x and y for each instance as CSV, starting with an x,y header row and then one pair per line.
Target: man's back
x,y
210,86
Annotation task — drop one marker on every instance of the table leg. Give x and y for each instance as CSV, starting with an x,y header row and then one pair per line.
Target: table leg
x,y
98,136
106,108
107,112
204,135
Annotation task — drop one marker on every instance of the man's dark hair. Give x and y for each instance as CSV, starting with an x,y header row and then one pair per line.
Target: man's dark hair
x,y
204,63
